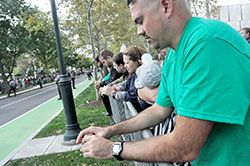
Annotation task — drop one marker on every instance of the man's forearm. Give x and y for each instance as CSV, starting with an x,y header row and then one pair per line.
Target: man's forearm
x,y
155,149
147,118
181,145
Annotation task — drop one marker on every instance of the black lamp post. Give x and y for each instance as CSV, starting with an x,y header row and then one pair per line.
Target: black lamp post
x,y
72,126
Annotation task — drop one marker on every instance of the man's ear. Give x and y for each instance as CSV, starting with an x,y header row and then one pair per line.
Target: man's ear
x,y
109,58
167,7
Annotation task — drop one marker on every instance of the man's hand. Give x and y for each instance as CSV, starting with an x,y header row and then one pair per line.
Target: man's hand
x,y
98,131
97,84
101,91
96,147
106,90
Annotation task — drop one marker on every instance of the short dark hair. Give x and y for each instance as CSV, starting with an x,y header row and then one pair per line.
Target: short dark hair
x,y
247,30
118,59
106,53
97,59
130,2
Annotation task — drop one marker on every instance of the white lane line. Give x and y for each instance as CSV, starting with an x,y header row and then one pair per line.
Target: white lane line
x,y
24,98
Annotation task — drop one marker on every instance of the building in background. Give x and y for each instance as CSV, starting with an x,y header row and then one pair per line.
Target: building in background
x,y
235,13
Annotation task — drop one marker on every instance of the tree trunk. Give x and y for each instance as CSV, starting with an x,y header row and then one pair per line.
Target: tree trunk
x,y
5,81
208,15
89,6
189,4
195,9
46,68
13,65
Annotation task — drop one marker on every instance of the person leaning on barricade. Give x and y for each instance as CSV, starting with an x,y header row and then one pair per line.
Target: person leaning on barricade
x,y
120,68
127,91
206,82
245,32
106,59
119,65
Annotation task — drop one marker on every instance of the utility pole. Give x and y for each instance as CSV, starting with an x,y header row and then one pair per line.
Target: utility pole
x,y
72,126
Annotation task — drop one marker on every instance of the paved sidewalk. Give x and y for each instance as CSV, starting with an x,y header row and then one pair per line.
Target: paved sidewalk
x,y
44,146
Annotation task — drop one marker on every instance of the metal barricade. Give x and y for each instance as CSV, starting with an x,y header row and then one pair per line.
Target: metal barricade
x,y
124,110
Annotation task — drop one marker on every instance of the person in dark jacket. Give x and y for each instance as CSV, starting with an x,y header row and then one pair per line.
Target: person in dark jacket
x,y
13,86
57,83
127,92
40,81
73,77
106,59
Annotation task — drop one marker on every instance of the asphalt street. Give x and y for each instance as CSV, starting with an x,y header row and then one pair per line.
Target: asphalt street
x,y
13,107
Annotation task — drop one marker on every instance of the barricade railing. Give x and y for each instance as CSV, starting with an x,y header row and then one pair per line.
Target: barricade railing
x,y
122,111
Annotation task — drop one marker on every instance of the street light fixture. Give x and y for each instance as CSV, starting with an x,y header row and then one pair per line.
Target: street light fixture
x,y
72,126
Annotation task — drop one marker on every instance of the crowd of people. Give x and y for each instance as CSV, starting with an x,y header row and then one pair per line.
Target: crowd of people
x,y
27,82
196,96
40,80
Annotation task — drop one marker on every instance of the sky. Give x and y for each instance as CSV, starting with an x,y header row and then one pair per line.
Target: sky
x,y
45,4
232,2
42,4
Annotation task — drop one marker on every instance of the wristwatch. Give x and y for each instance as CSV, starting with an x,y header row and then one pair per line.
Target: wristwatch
x,y
114,94
117,148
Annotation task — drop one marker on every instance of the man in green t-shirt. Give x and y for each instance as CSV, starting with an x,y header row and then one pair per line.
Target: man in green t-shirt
x,y
205,77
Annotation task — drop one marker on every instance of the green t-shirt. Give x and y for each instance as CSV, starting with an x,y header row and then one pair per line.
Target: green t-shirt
x,y
208,77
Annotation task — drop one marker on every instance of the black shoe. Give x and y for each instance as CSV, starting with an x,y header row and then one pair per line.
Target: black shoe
x,y
107,114
74,88
59,99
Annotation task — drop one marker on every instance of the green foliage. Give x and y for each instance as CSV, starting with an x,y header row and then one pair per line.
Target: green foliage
x,y
43,46
14,40
204,8
111,26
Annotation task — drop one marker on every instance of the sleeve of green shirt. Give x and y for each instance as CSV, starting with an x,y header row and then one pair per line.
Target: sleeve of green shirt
x,y
214,82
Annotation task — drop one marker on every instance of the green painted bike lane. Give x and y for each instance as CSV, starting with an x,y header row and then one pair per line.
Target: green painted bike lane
x,y
25,127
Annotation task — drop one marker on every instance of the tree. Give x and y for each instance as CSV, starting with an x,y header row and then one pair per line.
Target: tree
x,y
43,47
14,38
204,8
109,23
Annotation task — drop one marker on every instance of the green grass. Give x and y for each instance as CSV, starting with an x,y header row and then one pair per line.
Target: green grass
x,y
73,158
86,117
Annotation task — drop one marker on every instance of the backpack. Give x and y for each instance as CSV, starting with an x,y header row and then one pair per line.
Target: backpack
x,y
12,84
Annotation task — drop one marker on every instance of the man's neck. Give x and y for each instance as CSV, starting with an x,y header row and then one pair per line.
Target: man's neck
x,y
180,32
